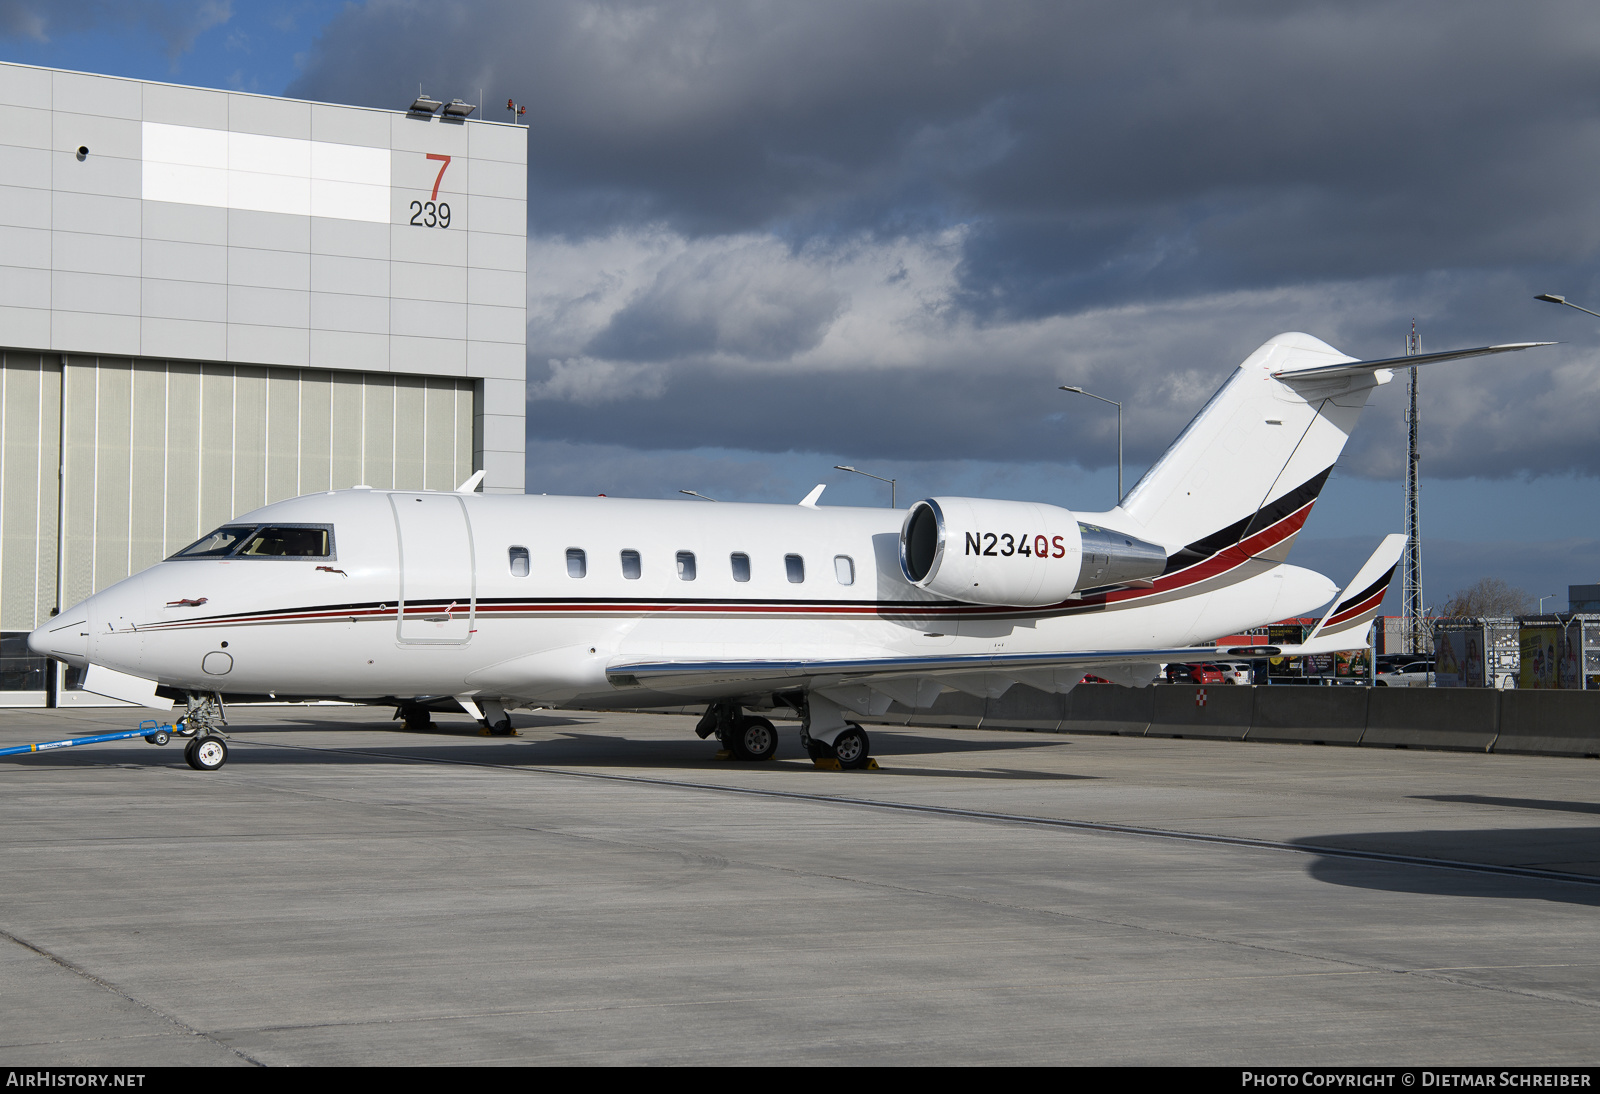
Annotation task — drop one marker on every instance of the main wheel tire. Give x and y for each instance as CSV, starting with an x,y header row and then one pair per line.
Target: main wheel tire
x,y
502,728
817,750
754,739
206,753
852,748
417,720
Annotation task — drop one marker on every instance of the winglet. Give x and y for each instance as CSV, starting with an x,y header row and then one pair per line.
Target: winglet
x,y
810,500
471,484
1344,626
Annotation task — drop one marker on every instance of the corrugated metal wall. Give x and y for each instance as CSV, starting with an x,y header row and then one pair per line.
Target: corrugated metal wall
x,y
30,456
153,454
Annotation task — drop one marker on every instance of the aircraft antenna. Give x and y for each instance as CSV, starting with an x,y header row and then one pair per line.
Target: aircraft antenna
x,y
1416,639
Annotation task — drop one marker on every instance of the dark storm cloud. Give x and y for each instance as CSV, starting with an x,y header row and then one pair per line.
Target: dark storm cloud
x,y
1245,141
1130,196
732,303
177,22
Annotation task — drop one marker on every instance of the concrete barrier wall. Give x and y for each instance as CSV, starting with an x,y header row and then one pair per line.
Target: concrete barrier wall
x,y
1464,718
1184,710
1023,707
1552,723
1326,716
1105,708
1561,723
1564,723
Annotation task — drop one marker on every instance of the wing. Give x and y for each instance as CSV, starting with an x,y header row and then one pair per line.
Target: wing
x,y
870,684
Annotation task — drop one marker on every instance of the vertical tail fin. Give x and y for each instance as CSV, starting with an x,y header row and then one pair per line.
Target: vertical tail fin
x,y
1249,466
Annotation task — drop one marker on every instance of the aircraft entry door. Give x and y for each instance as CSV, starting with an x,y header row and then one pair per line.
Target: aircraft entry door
x,y
438,583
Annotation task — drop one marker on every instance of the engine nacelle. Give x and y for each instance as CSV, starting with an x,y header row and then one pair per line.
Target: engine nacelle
x,y
1016,553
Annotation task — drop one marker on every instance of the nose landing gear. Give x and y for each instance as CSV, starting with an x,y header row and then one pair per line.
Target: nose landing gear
x,y
207,749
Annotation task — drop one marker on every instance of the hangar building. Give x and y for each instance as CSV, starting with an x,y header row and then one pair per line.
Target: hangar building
x,y
212,300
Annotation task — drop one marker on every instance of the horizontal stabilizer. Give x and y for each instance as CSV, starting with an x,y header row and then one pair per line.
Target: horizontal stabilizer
x,y
1355,368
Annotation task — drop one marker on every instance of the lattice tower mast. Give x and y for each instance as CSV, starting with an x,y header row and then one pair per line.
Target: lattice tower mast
x,y
1411,563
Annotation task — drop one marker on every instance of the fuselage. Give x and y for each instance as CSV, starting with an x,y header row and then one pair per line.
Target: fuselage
x,y
529,599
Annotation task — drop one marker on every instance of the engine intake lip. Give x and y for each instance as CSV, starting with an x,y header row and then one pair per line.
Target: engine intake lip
x,y
922,541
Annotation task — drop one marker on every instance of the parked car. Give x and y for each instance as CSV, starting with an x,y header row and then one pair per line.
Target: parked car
x,y
1198,673
1237,672
1415,674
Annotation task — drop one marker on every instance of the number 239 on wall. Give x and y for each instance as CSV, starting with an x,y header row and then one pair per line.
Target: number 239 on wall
x,y
433,213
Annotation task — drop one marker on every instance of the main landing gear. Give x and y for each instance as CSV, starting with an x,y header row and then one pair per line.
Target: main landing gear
x,y
746,736
207,749
825,735
414,717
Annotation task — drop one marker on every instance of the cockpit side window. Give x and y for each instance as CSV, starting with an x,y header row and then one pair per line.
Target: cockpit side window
x,y
289,541
219,544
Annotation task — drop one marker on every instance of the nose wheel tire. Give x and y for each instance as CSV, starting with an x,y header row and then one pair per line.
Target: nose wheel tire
x,y
754,739
206,753
852,748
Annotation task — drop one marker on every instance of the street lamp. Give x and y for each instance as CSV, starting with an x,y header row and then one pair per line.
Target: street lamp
x,y
1542,599
1118,405
1554,299
692,494
870,475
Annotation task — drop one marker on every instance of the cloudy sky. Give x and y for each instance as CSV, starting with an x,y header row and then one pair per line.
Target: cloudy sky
x,y
766,238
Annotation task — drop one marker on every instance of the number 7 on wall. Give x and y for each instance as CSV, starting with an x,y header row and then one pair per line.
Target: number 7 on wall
x,y
440,178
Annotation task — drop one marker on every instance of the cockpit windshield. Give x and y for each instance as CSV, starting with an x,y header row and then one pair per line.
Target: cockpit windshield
x,y
264,541
218,544
295,542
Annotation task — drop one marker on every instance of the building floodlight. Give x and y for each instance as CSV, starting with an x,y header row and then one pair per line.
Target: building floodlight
x,y
424,105
455,108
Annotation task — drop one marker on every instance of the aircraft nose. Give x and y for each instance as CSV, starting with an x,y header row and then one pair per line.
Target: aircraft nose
x,y
66,638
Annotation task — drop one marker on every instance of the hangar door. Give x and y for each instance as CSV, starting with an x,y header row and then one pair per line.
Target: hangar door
x,y
438,585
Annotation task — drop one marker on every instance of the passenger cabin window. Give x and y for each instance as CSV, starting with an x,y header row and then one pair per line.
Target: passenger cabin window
x,y
685,565
741,567
519,561
577,562
844,569
630,565
796,568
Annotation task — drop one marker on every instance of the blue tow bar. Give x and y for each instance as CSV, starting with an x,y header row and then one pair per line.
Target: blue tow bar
x,y
153,732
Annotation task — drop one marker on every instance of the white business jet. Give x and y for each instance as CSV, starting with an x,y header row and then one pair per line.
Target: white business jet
x,y
491,602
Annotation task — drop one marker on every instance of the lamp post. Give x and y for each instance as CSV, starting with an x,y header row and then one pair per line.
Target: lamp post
x,y
1542,599
1118,405
870,475
1554,299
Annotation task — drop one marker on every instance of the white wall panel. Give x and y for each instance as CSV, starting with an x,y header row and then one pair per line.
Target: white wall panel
x,y
22,287
25,246
269,174
28,167
25,207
